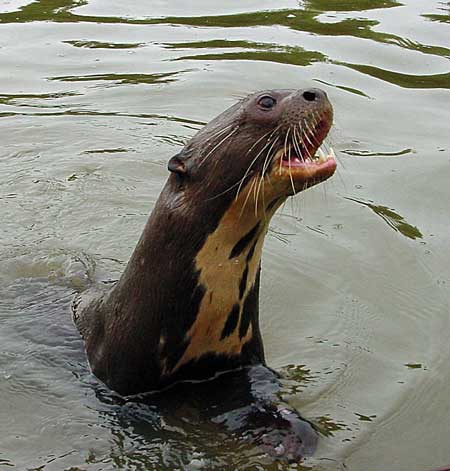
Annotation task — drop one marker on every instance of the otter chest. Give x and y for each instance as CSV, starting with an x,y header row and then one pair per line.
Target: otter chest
x,y
228,264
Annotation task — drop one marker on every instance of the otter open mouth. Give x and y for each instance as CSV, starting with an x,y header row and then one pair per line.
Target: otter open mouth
x,y
290,158
303,170
302,159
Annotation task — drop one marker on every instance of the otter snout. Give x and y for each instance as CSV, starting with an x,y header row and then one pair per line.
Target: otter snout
x,y
307,104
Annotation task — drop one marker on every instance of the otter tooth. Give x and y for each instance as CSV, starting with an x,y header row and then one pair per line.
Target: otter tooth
x,y
332,153
322,156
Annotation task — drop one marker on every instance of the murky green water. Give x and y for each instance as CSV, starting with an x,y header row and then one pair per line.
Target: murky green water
x,y
96,96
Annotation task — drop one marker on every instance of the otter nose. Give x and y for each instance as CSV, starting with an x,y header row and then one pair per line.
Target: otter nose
x,y
314,94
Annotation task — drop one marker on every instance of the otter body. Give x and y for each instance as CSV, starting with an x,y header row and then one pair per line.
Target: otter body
x,y
186,306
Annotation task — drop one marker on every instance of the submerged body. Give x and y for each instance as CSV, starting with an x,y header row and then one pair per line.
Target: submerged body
x,y
186,306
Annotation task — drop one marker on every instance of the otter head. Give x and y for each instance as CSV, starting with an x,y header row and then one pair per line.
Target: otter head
x,y
262,150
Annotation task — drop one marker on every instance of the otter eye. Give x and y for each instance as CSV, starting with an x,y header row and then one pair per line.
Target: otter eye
x,y
267,102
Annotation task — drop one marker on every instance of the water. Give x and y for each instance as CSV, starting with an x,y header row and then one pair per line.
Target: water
x,y
96,96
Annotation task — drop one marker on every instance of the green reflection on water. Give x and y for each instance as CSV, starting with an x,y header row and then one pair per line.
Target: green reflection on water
x,y
298,377
365,418
393,219
107,151
367,153
346,89
308,21
43,10
11,99
298,56
269,52
404,80
438,18
414,366
298,373
351,5
188,123
327,427
296,19
103,45
133,79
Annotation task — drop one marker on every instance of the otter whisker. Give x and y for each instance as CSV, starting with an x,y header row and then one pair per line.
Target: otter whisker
x,y
286,138
255,202
305,186
325,146
300,136
248,170
310,132
219,144
290,172
239,96
315,120
267,161
234,185
268,157
298,149
264,201
297,144
247,197
338,170
255,159
341,163
261,138
241,180
306,136
325,193
294,141
219,132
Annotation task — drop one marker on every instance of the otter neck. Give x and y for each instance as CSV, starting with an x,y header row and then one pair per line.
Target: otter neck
x,y
214,266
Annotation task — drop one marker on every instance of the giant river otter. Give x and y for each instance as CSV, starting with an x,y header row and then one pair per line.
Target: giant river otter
x,y
186,306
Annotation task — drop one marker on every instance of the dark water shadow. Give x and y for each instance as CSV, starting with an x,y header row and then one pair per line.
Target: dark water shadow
x,y
237,418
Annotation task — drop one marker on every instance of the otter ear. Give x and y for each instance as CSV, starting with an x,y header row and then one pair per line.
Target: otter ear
x,y
177,165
